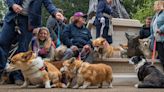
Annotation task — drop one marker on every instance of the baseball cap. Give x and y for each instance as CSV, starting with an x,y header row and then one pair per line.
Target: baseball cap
x,y
80,14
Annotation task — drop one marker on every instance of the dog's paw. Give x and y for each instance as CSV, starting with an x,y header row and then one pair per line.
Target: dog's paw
x,y
59,85
110,86
75,87
23,86
68,85
47,86
136,85
64,86
2,82
19,82
83,87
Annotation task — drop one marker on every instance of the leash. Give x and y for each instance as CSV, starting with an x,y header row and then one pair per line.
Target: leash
x,y
58,43
79,56
154,49
17,29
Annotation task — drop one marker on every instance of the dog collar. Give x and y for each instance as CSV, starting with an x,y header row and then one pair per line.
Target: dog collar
x,y
42,68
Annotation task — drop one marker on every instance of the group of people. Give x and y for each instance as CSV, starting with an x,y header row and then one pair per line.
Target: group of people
x,y
23,23
22,17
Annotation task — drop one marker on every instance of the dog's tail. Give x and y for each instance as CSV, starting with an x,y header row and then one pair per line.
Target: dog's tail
x,y
117,49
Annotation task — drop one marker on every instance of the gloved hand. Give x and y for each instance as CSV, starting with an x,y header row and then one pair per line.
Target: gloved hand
x,y
42,51
102,20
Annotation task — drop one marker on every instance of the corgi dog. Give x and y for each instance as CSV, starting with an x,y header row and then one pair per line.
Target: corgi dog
x,y
103,49
67,76
88,74
35,70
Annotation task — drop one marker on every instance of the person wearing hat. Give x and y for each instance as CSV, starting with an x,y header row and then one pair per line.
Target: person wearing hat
x,y
77,37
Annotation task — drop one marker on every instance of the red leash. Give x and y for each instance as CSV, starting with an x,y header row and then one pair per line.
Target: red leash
x,y
154,50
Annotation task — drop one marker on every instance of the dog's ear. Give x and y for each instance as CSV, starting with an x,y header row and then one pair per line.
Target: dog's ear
x,y
103,41
142,57
72,60
127,35
140,40
27,55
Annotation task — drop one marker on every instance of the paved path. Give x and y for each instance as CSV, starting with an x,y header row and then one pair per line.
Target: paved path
x,y
13,88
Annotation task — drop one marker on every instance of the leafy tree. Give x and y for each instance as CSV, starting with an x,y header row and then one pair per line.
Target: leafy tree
x,y
3,9
145,10
139,9
69,7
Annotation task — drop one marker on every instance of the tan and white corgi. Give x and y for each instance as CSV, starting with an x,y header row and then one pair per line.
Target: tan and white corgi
x,y
35,70
103,49
88,74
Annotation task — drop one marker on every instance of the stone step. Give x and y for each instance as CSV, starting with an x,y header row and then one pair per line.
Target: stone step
x,y
121,65
124,79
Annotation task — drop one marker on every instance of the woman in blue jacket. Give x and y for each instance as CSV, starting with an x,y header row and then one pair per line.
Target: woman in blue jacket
x,y
157,29
104,10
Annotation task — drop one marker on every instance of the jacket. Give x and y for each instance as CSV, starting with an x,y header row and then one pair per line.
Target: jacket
x,y
34,11
72,35
144,32
160,25
102,7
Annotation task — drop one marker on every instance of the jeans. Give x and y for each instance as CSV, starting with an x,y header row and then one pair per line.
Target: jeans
x,y
15,75
105,31
68,54
9,34
160,50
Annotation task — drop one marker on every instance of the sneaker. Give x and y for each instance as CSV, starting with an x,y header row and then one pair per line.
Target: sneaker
x,y
19,82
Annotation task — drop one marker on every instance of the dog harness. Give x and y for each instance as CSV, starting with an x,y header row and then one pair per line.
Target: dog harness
x,y
36,70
